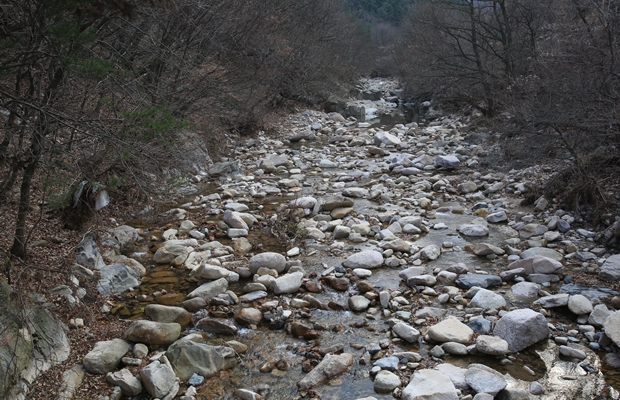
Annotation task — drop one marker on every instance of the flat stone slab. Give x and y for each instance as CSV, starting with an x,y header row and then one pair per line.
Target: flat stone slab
x,y
428,384
467,281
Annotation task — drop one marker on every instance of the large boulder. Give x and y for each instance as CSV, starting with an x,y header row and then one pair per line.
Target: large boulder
x,y
189,357
105,356
428,384
152,333
331,366
522,328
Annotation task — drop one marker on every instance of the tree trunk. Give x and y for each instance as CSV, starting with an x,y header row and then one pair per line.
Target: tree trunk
x,y
19,242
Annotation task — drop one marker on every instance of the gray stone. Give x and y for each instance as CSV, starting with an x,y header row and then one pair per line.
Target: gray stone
x,y
189,357
612,327
161,313
129,384
572,352
428,384
554,300
448,162
492,345
484,379
71,381
358,303
368,259
541,251
355,192
158,379
487,300
211,272
219,326
497,217
331,366
579,304
473,230
454,348
529,230
268,260
430,252
521,328
105,356
331,202
172,253
224,168
234,220
610,270
209,290
599,314
525,290
152,333
116,278
87,253
451,330
406,332
288,283
467,187
467,281
389,363
386,381
126,236
456,374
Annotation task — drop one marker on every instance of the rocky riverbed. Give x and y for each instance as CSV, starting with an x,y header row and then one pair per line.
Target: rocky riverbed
x,y
406,267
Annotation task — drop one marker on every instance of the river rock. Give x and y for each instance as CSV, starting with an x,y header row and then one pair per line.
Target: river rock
x,y
218,326
484,379
234,220
467,187
473,230
599,314
189,357
525,291
492,345
386,138
211,272
368,259
152,333
209,290
430,252
87,253
406,332
457,349
288,283
487,300
529,230
248,316
579,304
105,356
116,278
358,303
483,249
158,379
448,162
332,365
521,328
129,384
497,217
268,260
541,251
451,330
331,202
386,382
161,313
467,281
554,300
610,270
126,236
612,327
356,192
174,254
456,374
428,384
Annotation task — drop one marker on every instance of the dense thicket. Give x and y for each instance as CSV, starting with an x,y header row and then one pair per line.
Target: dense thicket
x,y
550,67
99,91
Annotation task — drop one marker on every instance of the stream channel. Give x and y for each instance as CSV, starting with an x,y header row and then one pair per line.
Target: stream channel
x,y
345,330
